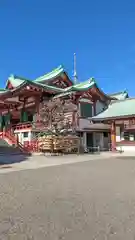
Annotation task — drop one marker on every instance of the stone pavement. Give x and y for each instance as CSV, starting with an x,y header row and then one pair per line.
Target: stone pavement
x,y
40,161
90,200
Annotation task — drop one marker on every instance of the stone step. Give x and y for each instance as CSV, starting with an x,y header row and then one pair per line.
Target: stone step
x,y
5,148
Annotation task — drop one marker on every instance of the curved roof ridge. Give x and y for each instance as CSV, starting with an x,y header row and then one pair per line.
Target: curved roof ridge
x,y
90,80
51,74
84,86
116,93
126,99
15,80
106,95
80,86
120,95
20,78
26,82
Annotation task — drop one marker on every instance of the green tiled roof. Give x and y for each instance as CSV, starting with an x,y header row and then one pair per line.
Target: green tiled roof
x,y
84,86
36,84
117,109
51,75
16,80
120,95
19,83
45,86
2,90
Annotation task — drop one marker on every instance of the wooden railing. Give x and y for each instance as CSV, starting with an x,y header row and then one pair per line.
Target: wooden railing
x,y
28,125
10,137
14,140
27,147
20,126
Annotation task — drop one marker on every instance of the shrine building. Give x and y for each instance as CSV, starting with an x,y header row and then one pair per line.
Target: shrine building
x,y
101,120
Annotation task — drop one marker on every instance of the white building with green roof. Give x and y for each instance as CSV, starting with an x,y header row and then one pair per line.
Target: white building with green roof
x,y
120,114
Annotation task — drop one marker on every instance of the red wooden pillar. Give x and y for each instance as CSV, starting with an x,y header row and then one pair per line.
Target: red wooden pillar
x,y
113,136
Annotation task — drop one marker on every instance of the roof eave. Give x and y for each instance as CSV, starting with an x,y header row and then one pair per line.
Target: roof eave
x,y
53,78
112,118
53,74
27,83
104,94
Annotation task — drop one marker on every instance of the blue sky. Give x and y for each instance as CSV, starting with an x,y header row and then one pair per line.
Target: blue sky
x,y
37,36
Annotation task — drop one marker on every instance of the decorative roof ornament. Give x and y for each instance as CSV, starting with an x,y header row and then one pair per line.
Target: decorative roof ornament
x,y
11,77
92,79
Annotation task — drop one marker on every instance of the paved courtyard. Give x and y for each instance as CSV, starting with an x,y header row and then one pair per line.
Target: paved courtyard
x,y
91,200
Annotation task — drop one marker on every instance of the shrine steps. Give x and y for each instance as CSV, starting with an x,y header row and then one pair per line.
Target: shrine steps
x,y
10,146
6,149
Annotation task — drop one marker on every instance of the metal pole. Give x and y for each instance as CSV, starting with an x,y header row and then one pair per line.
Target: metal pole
x,y
75,72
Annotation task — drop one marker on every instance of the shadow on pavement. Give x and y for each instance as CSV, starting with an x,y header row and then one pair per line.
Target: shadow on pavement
x,y
10,159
